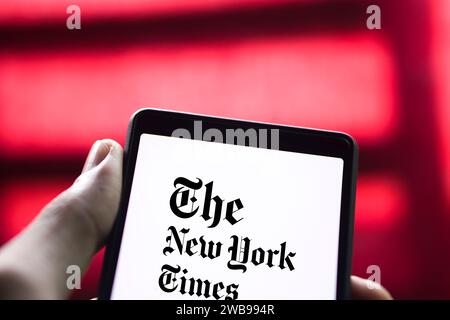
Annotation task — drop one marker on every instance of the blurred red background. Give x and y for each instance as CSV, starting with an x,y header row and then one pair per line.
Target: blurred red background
x,y
306,63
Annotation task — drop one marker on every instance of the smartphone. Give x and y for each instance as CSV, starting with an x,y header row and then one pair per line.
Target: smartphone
x,y
223,209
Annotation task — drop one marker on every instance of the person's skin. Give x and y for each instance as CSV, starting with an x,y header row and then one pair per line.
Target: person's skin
x,y
73,227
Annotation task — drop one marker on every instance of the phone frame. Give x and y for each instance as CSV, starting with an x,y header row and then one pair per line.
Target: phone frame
x,y
294,139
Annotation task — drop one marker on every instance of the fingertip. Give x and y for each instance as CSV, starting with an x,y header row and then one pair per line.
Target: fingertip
x,y
100,151
111,144
364,289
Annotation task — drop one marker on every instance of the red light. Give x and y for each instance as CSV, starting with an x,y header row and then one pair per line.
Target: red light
x,y
22,199
381,202
25,11
91,279
441,70
69,100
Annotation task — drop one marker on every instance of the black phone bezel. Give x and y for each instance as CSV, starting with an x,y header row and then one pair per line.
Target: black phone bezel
x,y
294,139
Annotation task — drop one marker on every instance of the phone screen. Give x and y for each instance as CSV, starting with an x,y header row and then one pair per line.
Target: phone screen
x,y
218,221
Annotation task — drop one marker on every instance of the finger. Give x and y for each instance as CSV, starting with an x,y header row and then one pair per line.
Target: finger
x,y
97,154
68,231
363,289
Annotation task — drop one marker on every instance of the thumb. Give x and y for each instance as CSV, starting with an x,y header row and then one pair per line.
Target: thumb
x,y
68,231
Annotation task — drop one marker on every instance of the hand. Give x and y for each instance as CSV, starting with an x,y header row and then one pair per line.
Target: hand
x,y
68,231
73,227
363,289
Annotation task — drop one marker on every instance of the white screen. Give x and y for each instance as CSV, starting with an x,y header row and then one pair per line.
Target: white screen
x,y
286,197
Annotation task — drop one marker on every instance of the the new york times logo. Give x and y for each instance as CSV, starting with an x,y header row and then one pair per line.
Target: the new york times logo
x,y
258,138
243,253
